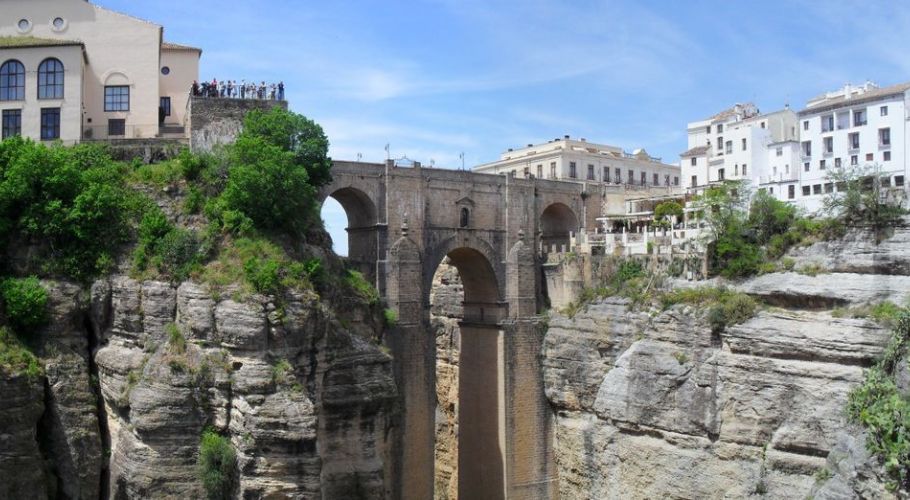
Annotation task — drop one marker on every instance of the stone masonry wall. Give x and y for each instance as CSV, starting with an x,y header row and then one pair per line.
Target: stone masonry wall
x,y
218,121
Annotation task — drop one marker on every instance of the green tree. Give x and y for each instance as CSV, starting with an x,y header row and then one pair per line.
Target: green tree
x,y
24,303
667,209
216,464
860,198
278,162
769,216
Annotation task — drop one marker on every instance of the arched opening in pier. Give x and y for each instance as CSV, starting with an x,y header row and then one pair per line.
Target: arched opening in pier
x,y
350,218
465,310
557,222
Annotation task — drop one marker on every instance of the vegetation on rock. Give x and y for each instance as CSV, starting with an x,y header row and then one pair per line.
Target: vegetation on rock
x,y
216,465
24,302
883,408
15,358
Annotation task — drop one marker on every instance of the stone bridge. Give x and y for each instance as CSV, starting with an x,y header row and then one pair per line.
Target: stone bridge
x,y
403,221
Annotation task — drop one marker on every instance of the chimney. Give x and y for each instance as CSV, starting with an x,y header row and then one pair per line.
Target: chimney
x,y
566,137
848,89
530,145
510,150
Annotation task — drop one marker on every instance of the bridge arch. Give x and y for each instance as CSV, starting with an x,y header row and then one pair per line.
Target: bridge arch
x,y
557,221
362,215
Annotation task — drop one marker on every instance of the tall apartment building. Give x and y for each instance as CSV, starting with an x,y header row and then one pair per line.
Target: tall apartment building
x,y
71,71
573,160
856,126
740,143
791,154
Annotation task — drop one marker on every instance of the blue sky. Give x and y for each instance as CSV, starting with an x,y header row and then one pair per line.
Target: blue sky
x,y
435,78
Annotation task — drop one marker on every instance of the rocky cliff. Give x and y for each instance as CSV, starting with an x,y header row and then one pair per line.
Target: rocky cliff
x,y
136,370
652,404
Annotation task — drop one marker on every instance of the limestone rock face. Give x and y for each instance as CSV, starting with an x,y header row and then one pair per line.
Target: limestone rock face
x,y
861,252
654,405
135,371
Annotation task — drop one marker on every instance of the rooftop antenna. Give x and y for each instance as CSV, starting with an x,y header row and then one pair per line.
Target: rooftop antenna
x,y
359,156
432,163
461,157
388,155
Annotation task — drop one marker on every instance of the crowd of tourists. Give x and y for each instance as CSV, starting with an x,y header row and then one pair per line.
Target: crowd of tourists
x,y
232,89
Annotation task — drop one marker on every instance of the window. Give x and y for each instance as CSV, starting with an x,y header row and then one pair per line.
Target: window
x,y
883,111
12,122
791,192
591,172
708,129
618,173
807,148
50,79
806,167
527,172
859,117
720,145
606,174
644,178
898,181
572,172
58,23
779,152
884,136
736,169
745,170
631,177
657,180
744,144
854,140
775,171
787,168
24,25
886,156
675,180
540,171
50,124
12,81
552,169
117,98
869,157
821,164
817,189
728,147
693,161
837,163
827,123
465,217
807,190
843,120
720,174
165,70
829,187
720,128
694,181
805,124
854,160
763,126
511,173
829,144
165,106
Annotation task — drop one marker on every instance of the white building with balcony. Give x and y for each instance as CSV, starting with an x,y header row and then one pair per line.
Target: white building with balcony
x,y
861,126
578,160
740,143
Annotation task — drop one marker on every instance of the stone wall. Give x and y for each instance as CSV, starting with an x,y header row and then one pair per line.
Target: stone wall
x,y
146,150
219,121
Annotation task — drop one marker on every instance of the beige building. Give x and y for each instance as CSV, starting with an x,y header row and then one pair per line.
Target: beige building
x,y
582,161
71,71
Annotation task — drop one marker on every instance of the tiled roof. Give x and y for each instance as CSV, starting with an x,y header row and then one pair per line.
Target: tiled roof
x,y
7,42
732,111
177,46
869,95
696,151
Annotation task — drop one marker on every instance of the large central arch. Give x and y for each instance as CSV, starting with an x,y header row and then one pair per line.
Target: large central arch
x,y
481,433
557,223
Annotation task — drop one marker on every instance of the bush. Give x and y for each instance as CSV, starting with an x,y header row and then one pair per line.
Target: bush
x,y
390,318
769,217
732,309
177,253
363,288
216,465
194,201
24,303
860,198
175,338
627,270
70,204
667,209
263,274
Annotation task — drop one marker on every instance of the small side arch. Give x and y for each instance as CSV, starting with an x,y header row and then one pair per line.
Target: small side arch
x,y
557,222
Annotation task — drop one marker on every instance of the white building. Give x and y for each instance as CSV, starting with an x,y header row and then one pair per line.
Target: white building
x,y
856,126
71,70
582,161
741,144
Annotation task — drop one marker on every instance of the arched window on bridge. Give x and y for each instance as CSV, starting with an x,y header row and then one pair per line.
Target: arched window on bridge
x,y
465,217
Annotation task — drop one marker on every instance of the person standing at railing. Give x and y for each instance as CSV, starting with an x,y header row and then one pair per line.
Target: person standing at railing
x,y
230,87
243,89
280,91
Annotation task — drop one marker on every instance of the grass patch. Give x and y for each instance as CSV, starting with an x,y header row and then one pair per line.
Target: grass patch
x,y
884,313
166,173
175,339
259,265
15,358
216,464
357,282
389,318
725,307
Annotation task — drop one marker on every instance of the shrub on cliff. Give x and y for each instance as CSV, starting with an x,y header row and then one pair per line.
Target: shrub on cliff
x,y
277,164
24,303
216,464
15,358
70,206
